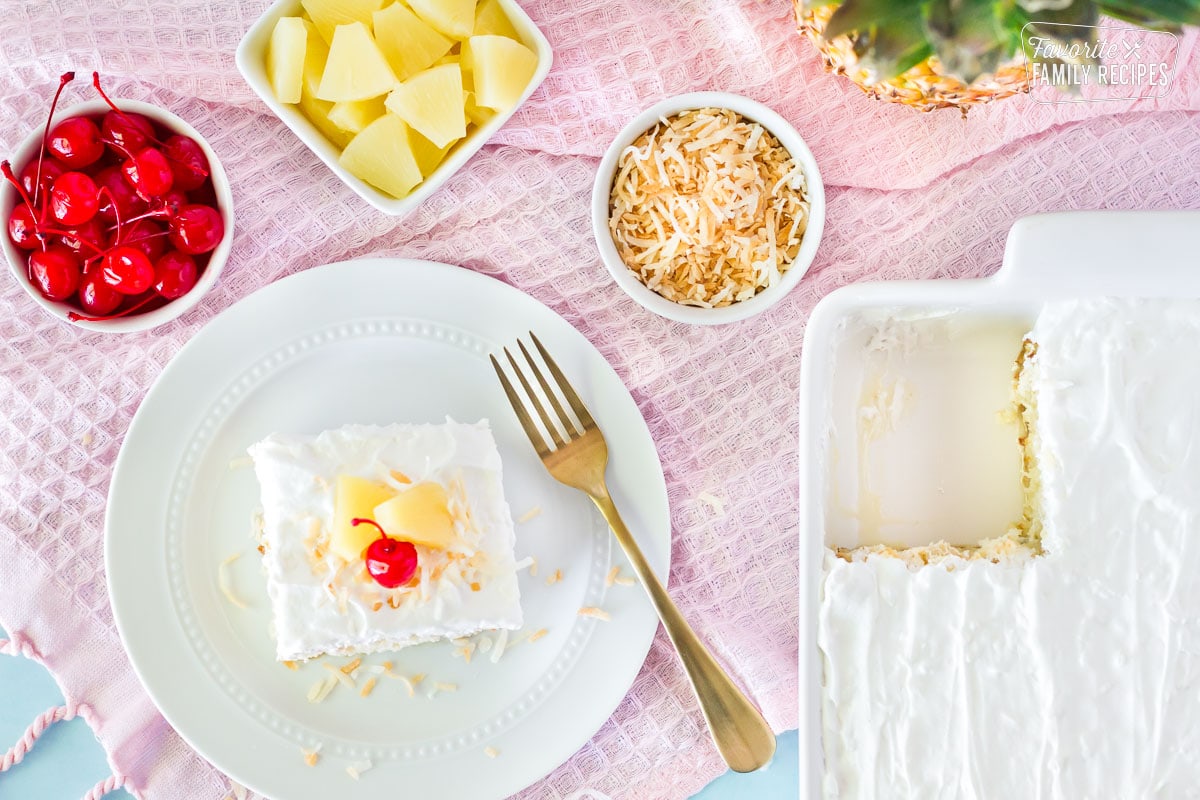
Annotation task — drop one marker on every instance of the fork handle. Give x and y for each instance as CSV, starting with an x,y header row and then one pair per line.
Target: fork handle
x,y
741,734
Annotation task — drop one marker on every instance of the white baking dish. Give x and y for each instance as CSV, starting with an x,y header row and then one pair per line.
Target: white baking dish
x,y
1047,257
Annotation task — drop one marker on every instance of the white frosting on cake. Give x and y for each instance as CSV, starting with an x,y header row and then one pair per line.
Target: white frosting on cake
x,y
1071,676
323,604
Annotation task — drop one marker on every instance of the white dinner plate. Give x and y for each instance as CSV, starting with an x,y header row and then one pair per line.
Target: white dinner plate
x,y
372,341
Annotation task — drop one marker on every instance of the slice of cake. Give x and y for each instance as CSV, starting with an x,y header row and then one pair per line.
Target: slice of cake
x,y
1069,669
377,538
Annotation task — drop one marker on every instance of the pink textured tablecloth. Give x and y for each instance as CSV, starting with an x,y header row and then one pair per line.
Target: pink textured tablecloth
x,y
910,196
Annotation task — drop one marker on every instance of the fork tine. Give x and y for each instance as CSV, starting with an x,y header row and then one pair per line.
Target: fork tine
x,y
535,438
576,404
537,404
569,426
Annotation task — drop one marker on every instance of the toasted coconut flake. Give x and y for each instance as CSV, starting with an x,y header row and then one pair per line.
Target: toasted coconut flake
x,y
340,676
715,503
239,791
312,755
378,604
350,666
239,463
501,644
483,644
539,633
358,768
622,581
555,578
491,752
408,684
527,561
225,582
292,665
394,601
446,687
707,208
367,687
321,689
595,613
530,514
612,576
533,568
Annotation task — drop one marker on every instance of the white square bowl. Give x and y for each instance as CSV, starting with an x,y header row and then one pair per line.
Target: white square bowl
x,y
251,62
1047,257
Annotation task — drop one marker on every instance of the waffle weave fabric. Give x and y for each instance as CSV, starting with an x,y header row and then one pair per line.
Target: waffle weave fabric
x,y
909,196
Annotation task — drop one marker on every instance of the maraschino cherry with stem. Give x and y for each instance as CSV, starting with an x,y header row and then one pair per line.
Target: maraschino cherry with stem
x,y
391,562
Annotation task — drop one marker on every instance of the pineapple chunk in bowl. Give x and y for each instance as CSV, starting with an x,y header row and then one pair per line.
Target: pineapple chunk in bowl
x,y
394,95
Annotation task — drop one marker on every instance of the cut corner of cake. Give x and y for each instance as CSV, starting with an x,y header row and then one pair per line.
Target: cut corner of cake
x,y
437,487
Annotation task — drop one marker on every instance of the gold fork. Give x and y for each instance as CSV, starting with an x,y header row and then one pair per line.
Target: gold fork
x,y
578,458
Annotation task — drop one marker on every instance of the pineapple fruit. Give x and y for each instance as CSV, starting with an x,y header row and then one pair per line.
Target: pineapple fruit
x,y
501,69
408,42
431,102
957,53
395,84
285,59
380,155
455,18
355,68
353,498
328,14
419,514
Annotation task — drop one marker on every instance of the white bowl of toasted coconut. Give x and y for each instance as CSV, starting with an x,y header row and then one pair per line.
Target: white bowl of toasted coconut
x,y
708,208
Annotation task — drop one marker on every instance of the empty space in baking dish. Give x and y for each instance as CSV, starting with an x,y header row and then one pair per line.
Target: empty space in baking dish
x,y
922,438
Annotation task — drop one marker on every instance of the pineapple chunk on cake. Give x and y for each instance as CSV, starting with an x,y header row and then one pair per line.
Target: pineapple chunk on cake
x,y
428,155
327,15
432,102
354,115
381,156
419,514
455,18
355,498
355,69
408,42
501,69
285,59
490,19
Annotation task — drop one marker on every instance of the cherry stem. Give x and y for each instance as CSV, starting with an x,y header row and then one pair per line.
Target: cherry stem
x,y
359,520
66,78
96,83
38,219
104,190
71,315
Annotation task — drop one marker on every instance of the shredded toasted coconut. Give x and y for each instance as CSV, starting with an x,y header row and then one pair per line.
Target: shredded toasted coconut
x,y
312,755
623,581
292,665
238,463
707,208
539,633
358,768
339,676
530,514
501,643
408,684
555,578
596,613
367,687
491,752
350,666
611,578
224,582
533,568
321,689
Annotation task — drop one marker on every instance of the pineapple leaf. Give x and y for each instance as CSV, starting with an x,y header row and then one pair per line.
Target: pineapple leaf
x,y
1154,14
967,36
862,15
888,38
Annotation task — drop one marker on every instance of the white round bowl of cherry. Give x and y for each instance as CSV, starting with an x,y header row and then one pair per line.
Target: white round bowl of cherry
x,y
119,216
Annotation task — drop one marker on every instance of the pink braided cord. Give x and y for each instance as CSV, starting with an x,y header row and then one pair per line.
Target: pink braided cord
x,y
109,784
26,742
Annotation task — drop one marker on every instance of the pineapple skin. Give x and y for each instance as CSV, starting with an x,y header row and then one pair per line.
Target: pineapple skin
x,y
925,87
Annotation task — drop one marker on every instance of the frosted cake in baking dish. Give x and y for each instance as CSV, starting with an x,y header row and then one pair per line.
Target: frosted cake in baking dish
x,y
1067,666
377,538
